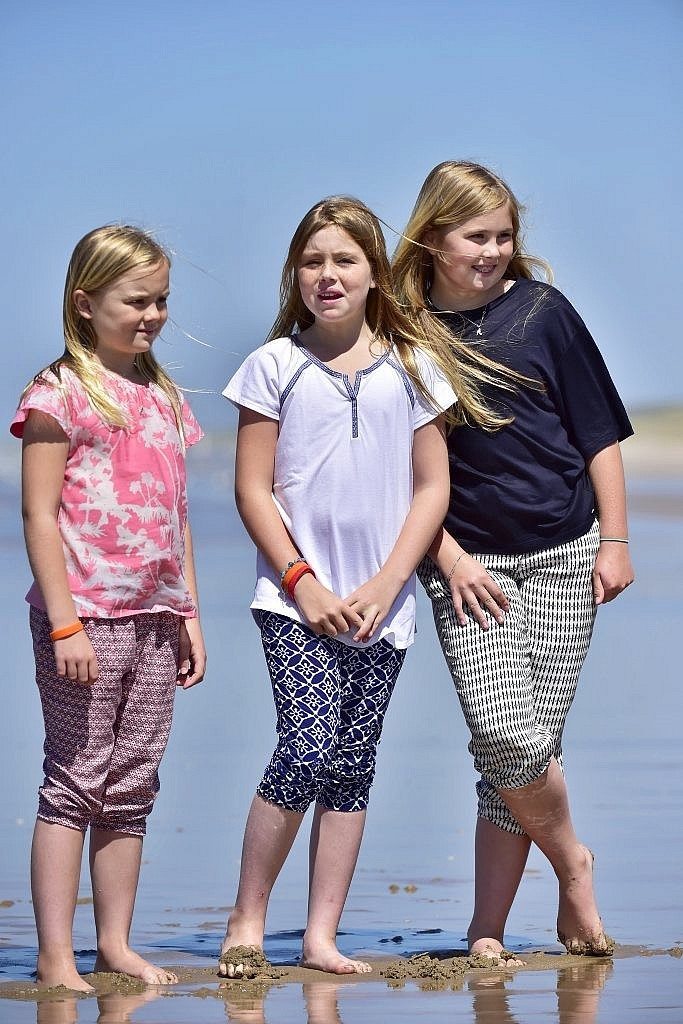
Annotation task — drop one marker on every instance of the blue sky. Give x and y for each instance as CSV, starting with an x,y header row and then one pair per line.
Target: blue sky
x,y
219,124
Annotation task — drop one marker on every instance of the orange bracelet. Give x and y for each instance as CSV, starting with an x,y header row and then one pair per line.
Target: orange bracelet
x,y
291,569
297,573
66,631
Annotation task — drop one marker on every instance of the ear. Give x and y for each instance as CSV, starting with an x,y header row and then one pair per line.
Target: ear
x,y
81,301
430,239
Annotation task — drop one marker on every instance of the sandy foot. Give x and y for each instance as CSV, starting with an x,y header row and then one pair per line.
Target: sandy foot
x,y
51,974
329,959
579,925
495,951
128,962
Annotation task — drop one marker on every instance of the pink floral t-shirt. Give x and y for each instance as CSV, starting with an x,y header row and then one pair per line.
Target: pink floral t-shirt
x,y
123,511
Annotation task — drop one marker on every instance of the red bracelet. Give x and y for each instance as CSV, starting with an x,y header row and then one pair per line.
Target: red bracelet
x,y
297,573
66,631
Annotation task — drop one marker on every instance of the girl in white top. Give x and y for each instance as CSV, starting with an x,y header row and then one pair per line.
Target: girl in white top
x,y
342,482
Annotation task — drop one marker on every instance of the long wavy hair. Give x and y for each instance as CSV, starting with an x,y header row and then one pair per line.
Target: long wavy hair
x,y
389,320
99,259
453,192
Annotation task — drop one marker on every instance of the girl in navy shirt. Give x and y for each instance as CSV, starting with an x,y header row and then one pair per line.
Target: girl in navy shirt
x,y
534,540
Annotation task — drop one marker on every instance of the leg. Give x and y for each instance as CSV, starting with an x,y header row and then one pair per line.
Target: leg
x,y
368,679
492,677
335,841
560,614
268,838
499,861
114,870
543,809
55,871
141,729
304,673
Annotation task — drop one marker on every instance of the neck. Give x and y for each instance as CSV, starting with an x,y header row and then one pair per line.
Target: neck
x,y
122,367
335,338
447,298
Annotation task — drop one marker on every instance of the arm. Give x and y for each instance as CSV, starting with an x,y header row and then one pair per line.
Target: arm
x,y
254,467
427,510
613,571
45,448
191,649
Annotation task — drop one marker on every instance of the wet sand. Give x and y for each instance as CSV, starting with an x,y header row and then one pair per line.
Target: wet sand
x,y
429,971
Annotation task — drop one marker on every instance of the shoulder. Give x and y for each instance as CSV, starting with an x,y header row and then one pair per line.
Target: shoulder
x,y
264,375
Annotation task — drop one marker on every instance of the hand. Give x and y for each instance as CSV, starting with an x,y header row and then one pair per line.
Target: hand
x,y
472,586
191,654
372,602
325,613
612,572
76,659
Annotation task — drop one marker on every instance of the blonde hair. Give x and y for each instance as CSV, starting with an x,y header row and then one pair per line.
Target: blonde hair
x,y
454,192
99,259
390,322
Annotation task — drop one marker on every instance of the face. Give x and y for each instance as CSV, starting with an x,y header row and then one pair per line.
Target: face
x,y
334,276
477,254
126,315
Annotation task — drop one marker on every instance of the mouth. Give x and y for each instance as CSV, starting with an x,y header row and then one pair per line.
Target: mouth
x,y
485,269
329,296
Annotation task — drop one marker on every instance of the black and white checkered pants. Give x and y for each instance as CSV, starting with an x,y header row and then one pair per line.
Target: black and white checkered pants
x,y
516,682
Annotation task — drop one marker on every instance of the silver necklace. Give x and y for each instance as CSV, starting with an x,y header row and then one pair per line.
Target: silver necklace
x,y
474,323
458,312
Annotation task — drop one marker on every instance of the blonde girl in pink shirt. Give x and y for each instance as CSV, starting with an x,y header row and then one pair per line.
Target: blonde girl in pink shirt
x,y
113,605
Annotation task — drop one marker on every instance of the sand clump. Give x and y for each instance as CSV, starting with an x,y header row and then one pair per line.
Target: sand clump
x,y
255,966
432,971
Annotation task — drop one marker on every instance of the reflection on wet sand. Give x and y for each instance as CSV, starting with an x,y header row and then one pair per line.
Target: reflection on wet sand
x,y
578,990
578,995
113,1008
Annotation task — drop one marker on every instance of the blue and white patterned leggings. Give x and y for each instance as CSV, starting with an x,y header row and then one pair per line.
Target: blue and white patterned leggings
x,y
330,700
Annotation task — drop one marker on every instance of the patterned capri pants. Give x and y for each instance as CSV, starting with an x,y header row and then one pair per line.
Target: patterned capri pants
x,y
104,743
516,682
330,701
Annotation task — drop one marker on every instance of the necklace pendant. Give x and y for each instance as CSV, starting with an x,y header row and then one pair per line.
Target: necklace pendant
x,y
479,331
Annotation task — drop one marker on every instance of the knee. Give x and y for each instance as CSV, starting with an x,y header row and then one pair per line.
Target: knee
x,y
294,777
348,782
512,761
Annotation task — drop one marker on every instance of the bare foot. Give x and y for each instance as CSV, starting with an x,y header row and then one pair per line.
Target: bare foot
x,y
127,961
579,926
243,941
494,950
52,971
246,962
326,957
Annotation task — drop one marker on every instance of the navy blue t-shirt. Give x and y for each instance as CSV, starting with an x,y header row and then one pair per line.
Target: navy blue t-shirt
x,y
526,487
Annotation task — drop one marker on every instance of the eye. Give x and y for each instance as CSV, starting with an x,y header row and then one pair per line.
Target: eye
x,y
478,236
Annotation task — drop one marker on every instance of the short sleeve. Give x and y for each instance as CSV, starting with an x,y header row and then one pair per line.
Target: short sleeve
x,y
592,410
436,385
46,397
256,384
192,432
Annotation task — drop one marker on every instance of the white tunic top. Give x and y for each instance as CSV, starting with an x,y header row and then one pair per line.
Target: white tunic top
x,y
343,480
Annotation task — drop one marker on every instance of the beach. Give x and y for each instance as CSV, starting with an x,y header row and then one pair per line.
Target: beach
x,y
412,892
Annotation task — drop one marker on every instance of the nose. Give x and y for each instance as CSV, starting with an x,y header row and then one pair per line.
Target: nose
x,y
327,271
490,248
152,312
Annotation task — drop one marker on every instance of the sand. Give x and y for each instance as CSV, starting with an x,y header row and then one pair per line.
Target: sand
x,y
427,971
